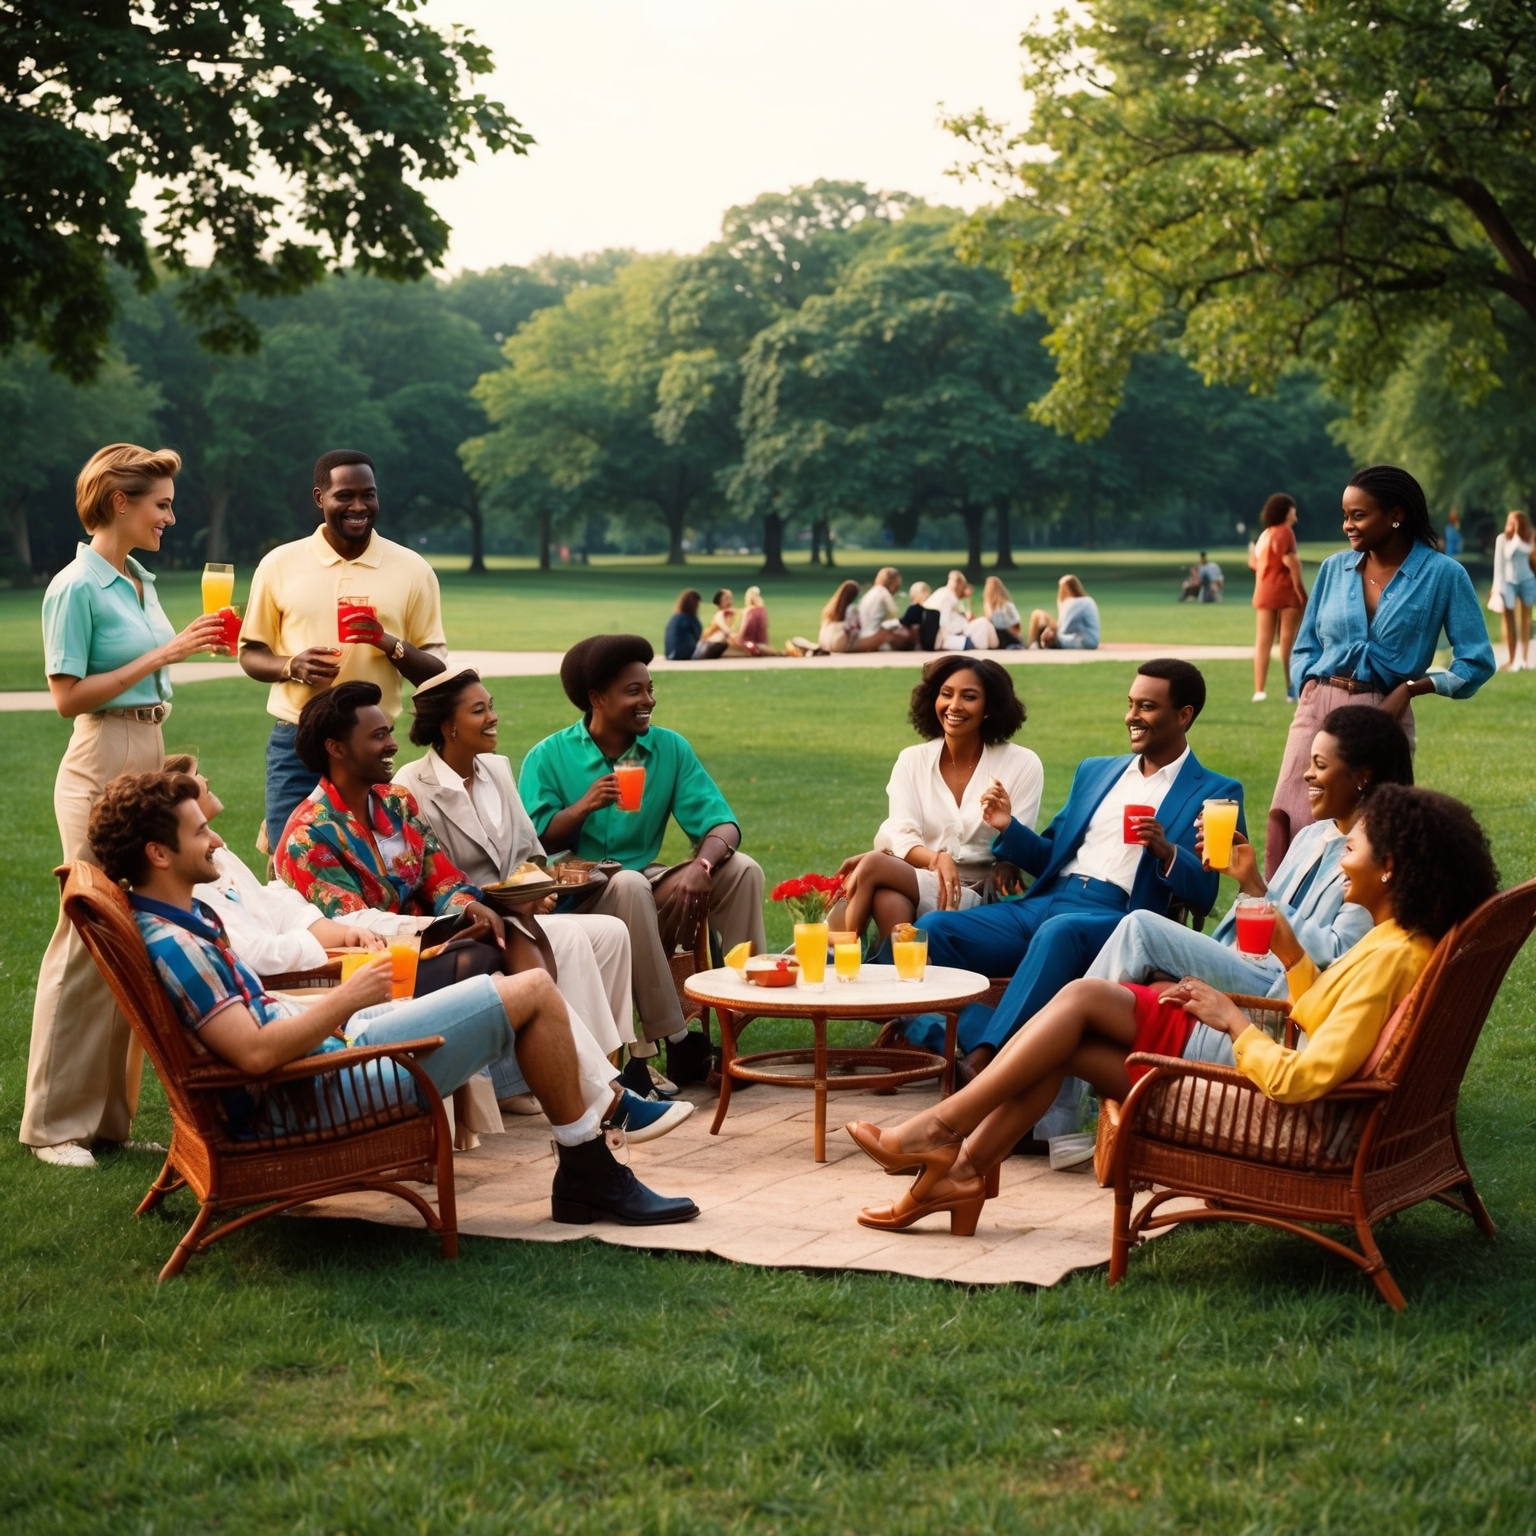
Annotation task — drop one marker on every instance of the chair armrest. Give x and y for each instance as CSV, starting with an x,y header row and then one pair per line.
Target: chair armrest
x,y
1278,1005
1165,1067
225,1076
317,976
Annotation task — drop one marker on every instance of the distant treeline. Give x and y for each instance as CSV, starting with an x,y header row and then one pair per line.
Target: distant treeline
x,y
829,369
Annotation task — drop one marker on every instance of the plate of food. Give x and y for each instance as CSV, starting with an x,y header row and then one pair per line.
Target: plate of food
x,y
527,883
772,971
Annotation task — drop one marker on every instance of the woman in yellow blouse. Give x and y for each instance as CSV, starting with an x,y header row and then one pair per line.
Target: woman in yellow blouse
x,y
1417,861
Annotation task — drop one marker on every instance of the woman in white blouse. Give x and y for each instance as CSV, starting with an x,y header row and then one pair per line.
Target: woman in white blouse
x,y
933,852
464,789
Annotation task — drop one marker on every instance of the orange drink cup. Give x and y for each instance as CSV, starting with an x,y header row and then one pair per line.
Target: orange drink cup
x,y
911,957
1220,821
218,587
811,952
631,776
354,960
846,959
404,955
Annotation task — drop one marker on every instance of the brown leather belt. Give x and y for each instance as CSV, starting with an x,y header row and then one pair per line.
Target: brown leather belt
x,y
1351,685
147,714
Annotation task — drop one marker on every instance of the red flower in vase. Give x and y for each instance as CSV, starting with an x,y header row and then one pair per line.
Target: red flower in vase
x,y
809,897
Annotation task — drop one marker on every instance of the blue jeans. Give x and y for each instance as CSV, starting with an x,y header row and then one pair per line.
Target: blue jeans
x,y
288,782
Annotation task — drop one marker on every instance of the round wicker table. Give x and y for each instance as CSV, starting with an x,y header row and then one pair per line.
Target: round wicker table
x,y
875,994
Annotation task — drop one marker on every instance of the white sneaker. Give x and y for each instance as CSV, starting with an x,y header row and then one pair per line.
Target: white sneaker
x,y
1519,664
1259,698
67,1154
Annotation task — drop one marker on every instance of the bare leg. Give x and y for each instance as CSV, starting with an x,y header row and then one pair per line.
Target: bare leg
x,y
1040,1051
1290,625
891,910
1263,643
1039,620
1525,630
877,873
546,1054
1507,619
870,642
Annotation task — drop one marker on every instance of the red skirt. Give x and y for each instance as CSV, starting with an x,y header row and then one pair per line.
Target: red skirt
x,y
1162,1029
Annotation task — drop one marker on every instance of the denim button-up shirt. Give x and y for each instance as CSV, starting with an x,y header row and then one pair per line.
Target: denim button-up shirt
x,y
1429,593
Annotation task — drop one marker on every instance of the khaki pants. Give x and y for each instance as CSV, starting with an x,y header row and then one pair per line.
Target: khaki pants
x,y
735,913
77,1067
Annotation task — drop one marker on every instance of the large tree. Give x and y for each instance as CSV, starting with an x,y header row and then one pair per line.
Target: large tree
x,y
346,105
1254,182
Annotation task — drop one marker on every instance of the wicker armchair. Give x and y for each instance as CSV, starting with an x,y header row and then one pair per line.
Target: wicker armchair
x,y
380,1144
686,963
1374,1145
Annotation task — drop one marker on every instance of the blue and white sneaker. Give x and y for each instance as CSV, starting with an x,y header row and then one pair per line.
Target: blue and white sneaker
x,y
646,1119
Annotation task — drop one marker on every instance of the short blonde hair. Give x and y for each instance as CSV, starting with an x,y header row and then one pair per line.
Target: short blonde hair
x,y
118,467
754,597
920,592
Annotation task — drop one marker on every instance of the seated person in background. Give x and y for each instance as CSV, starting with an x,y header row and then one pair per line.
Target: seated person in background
x,y
919,621
840,624
716,637
360,841
1212,582
571,791
1416,862
1190,591
464,790
271,927
1076,625
149,833
1358,750
1002,613
877,607
684,628
1124,841
751,637
958,631
933,852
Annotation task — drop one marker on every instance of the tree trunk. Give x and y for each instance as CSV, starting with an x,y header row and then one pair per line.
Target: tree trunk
x,y
972,515
476,536
21,540
218,522
773,546
675,532
815,541
543,541
827,540
1004,561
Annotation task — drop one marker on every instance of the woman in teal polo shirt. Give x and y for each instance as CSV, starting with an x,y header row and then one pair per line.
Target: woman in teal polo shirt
x,y
107,645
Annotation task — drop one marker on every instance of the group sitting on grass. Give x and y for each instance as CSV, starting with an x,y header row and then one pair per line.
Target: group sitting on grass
x,y
537,1003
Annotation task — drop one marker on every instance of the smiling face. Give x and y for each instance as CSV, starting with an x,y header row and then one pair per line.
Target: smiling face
x,y
191,860
1332,785
350,507
368,753
1367,525
473,723
627,702
961,705
1367,881
1155,727
145,518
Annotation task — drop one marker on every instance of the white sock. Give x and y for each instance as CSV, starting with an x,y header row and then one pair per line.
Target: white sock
x,y
579,1131
678,1038
643,1050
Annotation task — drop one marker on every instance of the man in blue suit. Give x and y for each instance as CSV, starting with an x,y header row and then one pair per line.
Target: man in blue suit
x,y
1087,876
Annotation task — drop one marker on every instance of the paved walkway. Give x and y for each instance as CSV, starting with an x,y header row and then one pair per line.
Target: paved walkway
x,y
547,664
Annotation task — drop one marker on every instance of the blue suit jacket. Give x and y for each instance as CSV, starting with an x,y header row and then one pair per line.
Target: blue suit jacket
x,y
1042,854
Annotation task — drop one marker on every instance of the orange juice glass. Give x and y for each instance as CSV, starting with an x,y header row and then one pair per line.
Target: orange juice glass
x,y
404,956
631,776
1220,822
911,957
846,959
218,587
354,960
811,952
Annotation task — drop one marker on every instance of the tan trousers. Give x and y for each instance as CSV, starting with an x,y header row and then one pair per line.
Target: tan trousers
x,y
592,956
77,1067
735,913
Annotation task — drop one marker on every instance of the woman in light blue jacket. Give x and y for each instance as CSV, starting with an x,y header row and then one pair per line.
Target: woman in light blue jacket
x,y
1357,749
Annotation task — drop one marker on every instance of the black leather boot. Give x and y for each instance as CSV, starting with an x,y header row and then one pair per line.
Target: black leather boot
x,y
688,1059
591,1185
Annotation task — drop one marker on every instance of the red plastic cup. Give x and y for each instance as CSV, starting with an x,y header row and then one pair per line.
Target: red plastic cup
x,y
231,638
1133,813
1255,924
348,611
631,777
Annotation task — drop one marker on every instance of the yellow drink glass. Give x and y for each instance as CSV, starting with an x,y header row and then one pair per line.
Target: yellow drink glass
x,y
354,960
846,959
1220,822
911,957
811,952
218,587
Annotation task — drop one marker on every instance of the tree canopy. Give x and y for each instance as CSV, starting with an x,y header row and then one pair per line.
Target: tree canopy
x,y
350,104
1255,183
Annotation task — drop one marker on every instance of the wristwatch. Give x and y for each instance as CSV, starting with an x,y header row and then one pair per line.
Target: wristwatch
x,y
398,652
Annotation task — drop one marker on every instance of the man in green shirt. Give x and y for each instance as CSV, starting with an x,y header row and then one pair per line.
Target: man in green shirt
x,y
571,790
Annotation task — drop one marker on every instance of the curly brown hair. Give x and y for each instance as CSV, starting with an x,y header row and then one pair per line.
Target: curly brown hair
x,y
135,809
1004,713
1442,870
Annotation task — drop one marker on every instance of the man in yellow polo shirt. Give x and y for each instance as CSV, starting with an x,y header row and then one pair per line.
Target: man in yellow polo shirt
x,y
290,636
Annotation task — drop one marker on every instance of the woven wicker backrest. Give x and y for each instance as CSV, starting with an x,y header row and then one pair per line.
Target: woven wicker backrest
x,y
102,917
1429,1056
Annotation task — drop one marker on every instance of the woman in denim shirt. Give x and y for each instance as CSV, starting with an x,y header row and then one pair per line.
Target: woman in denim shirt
x,y
1372,627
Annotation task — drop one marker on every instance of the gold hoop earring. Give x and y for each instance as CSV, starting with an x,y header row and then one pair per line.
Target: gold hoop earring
x,y
1397,525
1386,877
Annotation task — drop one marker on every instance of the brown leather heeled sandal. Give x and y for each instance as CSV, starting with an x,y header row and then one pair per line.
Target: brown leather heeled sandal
x,y
964,1206
870,1140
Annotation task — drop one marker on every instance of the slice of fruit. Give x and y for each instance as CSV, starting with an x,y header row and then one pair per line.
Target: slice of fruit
x,y
738,957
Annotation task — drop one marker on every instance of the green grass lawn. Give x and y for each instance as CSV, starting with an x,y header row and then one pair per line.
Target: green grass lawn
x,y
514,607
330,1376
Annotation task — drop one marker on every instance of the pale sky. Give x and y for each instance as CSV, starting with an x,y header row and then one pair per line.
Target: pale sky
x,y
654,116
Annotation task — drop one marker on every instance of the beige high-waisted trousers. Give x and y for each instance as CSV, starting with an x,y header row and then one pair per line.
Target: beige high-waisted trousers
x,y
77,1068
